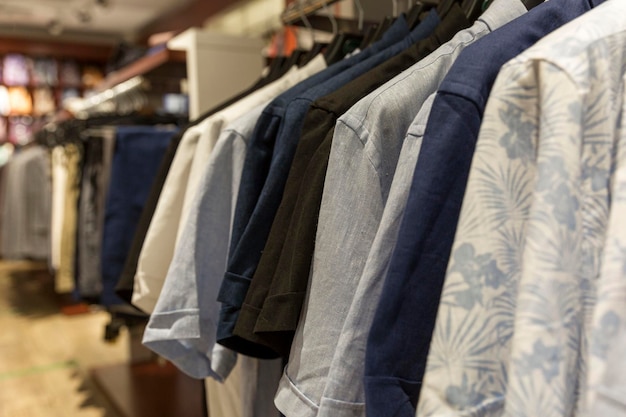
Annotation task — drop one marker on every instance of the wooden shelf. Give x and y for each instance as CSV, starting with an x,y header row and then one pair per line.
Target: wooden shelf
x,y
59,50
142,66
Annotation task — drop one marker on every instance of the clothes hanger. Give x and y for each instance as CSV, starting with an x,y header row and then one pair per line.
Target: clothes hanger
x,y
342,42
386,23
471,8
275,68
293,59
361,15
414,13
317,47
369,36
382,28
315,50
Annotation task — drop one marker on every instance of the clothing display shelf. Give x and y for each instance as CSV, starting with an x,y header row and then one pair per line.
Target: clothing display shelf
x,y
31,102
218,66
156,64
157,73
108,100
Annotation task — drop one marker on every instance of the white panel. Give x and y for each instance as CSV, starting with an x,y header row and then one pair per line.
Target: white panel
x,y
218,66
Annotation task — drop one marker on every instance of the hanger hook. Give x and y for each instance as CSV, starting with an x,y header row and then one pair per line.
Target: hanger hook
x,y
361,13
331,16
305,20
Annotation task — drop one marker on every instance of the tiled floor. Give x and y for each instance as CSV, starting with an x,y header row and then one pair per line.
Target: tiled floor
x,y
44,354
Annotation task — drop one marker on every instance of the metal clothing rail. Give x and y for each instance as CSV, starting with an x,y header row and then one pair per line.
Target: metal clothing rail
x,y
123,98
294,11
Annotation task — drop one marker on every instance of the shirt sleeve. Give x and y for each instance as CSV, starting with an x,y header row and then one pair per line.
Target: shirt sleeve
x,y
158,247
315,125
183,325
397,344
345,377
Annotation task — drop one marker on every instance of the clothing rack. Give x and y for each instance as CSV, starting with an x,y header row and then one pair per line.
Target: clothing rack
x,y
125,97
294,11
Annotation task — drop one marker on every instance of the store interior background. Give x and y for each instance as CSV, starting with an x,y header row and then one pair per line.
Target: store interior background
x,y
51,347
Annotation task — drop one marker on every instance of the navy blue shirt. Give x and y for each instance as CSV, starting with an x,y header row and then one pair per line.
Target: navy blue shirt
x,y
136,159
261,189
400,335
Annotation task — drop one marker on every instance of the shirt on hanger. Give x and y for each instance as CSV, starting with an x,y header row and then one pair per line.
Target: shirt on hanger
x,y
400,335
182,327
199,259
521,284
330,342
181,185
605,380
274,301
260,150
64,282
246,251
26,207
124,288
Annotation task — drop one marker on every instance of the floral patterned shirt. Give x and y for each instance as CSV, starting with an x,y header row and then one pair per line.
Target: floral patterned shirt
x,y
513,327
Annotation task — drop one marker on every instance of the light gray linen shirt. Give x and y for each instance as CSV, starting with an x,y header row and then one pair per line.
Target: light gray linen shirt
x,y
325,372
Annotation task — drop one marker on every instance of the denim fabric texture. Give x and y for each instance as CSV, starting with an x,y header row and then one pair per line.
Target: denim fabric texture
x,y
401,332
136,159
245,254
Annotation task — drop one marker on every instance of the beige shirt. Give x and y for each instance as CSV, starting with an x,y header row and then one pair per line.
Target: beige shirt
x,y
182,182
